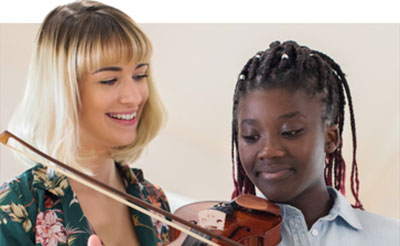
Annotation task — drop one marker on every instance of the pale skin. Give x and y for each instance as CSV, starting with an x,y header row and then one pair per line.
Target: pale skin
x,y
105,225
119,89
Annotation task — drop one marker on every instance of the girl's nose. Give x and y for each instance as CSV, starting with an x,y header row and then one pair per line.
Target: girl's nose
x,y
270,150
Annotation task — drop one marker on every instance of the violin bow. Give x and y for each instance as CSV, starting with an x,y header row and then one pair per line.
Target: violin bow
x,y
115,194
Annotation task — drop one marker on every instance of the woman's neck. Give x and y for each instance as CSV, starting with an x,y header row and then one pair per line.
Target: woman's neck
x,y
98,160
102,168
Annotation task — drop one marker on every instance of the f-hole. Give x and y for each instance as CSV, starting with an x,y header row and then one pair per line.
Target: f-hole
x,y
238,229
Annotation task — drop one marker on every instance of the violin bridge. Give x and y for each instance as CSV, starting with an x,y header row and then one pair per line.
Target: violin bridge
x,y
212,219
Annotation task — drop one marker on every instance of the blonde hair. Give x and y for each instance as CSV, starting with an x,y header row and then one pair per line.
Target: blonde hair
x,y
74,39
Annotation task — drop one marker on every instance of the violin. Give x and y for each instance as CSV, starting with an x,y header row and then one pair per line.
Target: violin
x,y
248,220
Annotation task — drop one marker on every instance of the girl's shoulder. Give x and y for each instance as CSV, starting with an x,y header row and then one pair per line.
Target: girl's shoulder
x,y
375,229
371,221
363,226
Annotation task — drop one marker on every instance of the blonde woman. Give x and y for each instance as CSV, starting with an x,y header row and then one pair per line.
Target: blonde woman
x,y
90,102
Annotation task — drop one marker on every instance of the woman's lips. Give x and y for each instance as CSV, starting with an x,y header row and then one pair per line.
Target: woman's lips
x,y
124,122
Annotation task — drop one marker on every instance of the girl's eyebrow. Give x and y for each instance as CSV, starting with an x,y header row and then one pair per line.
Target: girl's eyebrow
x,y
289,115
117,68
284,116
248,121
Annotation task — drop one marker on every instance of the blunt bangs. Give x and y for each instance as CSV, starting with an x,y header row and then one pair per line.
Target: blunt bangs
x,y
108,40
75,39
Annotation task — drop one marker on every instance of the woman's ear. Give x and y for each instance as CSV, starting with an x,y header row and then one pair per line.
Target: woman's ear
x,y
331,138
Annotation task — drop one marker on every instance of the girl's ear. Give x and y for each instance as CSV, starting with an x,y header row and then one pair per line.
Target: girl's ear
x,y
331,138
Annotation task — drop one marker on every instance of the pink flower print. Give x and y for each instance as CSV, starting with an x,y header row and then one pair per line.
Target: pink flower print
x,y
156,223
49,230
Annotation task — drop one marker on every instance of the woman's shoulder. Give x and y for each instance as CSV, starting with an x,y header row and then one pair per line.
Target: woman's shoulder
x,y
18,208
19,186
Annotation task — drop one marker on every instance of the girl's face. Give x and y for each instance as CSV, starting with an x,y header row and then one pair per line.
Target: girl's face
x,y
282,142
113,98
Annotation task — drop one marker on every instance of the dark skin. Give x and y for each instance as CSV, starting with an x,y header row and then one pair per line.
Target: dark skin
x,y
283,141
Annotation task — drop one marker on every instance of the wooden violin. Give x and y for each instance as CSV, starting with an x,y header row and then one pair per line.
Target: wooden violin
x,y
248,220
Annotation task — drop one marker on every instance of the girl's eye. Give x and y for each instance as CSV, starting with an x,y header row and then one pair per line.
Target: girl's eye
x,y
139,77
250,138
292,133
108,82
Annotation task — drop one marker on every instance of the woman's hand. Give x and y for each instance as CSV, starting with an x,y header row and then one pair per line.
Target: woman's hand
x,y
94,240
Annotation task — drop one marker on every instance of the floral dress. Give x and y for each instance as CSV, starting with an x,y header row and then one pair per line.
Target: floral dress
x,y
39,208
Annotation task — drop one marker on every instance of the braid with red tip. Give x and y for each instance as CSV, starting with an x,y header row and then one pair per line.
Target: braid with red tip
x,y
293,67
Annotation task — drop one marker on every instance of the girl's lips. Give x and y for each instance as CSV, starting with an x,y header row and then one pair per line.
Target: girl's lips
x,y
274,175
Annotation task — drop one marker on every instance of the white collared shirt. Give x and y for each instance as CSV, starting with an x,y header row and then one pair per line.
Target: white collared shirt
x,y
344,225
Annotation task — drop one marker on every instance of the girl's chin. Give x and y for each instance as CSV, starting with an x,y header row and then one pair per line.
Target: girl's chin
x,y
276,196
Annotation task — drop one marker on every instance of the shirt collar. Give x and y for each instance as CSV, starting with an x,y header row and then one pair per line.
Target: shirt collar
x,y
342,208
47,179
131,175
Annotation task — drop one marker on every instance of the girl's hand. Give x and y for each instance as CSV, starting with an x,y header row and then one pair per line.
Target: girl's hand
x,y
94,240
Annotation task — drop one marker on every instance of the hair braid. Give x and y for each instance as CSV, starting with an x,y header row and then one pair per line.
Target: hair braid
x,y
295,67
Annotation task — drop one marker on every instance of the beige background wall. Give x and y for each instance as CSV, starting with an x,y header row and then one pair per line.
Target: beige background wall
x,y
196,66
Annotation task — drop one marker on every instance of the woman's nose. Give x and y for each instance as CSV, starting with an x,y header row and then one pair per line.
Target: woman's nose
x,y
131,93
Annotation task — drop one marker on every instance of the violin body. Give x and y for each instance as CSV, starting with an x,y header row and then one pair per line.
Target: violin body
x,y
249,220
253,228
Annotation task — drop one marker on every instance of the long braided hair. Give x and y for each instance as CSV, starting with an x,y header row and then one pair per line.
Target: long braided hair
x,y
290,66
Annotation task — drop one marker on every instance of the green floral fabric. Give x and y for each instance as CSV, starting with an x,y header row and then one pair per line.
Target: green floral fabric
x,y
39,208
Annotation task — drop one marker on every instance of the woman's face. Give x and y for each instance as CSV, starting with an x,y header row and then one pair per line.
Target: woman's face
x,y
282,143
113,98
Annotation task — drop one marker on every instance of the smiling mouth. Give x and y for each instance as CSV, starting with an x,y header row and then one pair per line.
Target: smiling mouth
x,y
122,116
274,175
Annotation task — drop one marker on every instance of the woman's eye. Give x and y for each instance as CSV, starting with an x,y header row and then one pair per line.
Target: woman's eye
x,y
108,82
139,77
250,138
292,133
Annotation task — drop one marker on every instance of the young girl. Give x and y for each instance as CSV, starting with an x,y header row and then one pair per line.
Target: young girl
x,y
288,117
90,102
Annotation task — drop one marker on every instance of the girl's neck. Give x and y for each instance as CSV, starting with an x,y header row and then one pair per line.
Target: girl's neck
x,y
314,206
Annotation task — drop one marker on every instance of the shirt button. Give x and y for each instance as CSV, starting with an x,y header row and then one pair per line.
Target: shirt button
x,y
314,232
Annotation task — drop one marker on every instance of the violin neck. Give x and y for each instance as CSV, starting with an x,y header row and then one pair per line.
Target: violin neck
x,y
191,241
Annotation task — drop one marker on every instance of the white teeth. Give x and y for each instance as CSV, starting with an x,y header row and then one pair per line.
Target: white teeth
x,y
123,116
